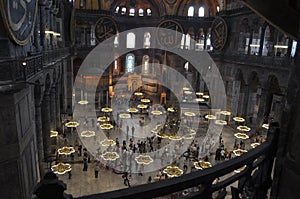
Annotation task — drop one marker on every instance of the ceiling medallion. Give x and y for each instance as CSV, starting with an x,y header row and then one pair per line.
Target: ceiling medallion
x,y
167,38
105,28
219,33
19,17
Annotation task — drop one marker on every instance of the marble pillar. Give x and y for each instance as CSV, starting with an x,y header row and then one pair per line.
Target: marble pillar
x,y
53,108
39,136
46,124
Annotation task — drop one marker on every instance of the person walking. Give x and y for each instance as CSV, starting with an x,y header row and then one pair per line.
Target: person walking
x,y
96,169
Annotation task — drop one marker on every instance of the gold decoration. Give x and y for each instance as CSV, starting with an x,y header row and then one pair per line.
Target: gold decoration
x,y
142,106
171,109
110,156
138,93
61,168
190,114
221,122
106,110
145,100
124,116
83,102
72,124
108,142
239,170
132,110
239,119
106,126
53,134
173,171
225,113
156,112
144,159
200,100
103,119
88,133
239,152
243,128
266,126
255,144
202,165
241,136
210,117
66,150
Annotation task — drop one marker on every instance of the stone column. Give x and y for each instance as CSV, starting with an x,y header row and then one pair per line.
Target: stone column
x,y
53,108
42,25
262,107
57,100
39,136
46,124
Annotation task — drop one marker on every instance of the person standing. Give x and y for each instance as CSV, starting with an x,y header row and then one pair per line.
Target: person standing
x,y
96,169
85,164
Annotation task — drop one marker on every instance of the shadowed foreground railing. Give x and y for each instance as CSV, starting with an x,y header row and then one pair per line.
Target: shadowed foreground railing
x,y
253,182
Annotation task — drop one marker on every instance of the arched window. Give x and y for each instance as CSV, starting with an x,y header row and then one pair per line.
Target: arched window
x,y
147,37
130,63
130,40
116,41
141,12
123,11
201,12
186,66
281,45
294,47
117,9
182,41
267,42
200,41
149,12
254,46
187,41
146,68
191,11
131,12
208,41
218,8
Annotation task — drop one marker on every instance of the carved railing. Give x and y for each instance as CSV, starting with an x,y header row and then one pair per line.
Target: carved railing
x,y
14,70
253,182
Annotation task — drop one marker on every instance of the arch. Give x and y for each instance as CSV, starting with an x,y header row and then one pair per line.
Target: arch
x,y
130,60
145,62
141,12
191,11
130,40
147,42
201,12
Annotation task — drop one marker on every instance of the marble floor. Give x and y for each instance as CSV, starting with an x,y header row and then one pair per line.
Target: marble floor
x,y
84,182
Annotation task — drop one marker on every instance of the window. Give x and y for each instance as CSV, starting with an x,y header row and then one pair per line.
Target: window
x,y
116,64
123,11
130,63
116,41
149,13
131,12
147,37
130,40
186,66
200,41
141,12
218,8
182,41
294,46
145,69
201,12
117,9
187,41
82,3
191,11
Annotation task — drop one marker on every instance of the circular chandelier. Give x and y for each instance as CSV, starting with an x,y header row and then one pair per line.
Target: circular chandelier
x,y
239,119
255,144
144,159
142,106
108,142
145,100
111,156
83,102
185,88
103,119
241,136
132,110
199,93
266,126
156,112
124,116
138,93
106,126
190,114
205,96
202,165
53,134
66,150
210,117
239,152
106,110
61,168
225,113
88,133
243,128
200,100
72,124
173,171
188,92
171,109
221,122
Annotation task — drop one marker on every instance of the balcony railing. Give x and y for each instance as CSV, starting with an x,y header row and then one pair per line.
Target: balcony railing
x,y
253,182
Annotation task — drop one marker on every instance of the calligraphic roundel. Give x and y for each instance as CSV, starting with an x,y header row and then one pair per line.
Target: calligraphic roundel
x,y
105,28
218,33
19,18
169,39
